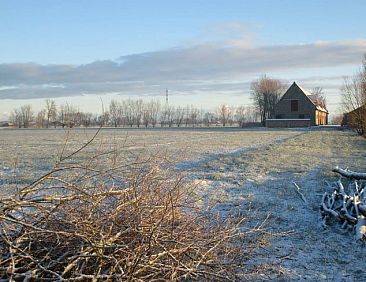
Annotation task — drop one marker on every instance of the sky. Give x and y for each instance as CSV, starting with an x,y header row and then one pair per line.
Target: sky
x,y
205,52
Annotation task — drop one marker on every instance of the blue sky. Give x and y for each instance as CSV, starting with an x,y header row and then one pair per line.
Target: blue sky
x,y
206,52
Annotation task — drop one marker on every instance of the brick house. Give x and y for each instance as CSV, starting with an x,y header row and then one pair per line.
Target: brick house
x,y
298,108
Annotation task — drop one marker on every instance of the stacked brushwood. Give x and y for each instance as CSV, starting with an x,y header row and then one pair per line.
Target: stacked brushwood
x,y
347,203
91,221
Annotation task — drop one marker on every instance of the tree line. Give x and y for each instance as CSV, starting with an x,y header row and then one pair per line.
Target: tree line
x,y
132,113
265,93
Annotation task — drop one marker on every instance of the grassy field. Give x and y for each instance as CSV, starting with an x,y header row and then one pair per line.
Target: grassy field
x,y
27,154
257,183
246,173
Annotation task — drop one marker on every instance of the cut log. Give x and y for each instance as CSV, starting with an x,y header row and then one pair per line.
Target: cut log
x,y
362,209
361,228
347,204
350,174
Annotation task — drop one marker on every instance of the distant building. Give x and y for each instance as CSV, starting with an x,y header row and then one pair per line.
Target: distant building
x,y
356,119
298,108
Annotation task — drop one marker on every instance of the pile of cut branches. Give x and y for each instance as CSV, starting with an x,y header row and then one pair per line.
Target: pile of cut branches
x,y
127,222
347,204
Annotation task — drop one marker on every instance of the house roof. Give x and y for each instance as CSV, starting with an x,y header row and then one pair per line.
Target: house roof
x,y
306,92
312,98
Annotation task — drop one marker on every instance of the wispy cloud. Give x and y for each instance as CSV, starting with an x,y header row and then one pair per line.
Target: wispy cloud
x,y
207,66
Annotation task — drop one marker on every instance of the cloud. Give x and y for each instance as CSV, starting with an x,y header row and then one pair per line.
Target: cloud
x,y
234,33
207,67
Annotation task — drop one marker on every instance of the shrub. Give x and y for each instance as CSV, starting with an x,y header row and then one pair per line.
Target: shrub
x,y
87,221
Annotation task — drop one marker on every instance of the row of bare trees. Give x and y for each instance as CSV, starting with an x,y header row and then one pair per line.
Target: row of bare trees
x,y
354,100
50,115
150,114
265,93
23,116
132,113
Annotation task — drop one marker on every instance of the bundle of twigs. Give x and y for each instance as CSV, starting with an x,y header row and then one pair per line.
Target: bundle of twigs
x,y
347,204
128,222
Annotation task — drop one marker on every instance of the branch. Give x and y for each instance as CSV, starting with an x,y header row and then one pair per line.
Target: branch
x,y
350,174
298,192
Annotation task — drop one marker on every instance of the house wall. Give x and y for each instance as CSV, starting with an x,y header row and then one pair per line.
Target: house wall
x,y
306,107
320,118
287,123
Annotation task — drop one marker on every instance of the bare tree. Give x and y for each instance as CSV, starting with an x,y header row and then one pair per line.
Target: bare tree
x,y
146,115
70,116
266,92
40,119
354,100
224,113
61,115
337,119
129,112
27,115
67,115
167,116
139,107
164,116
86,119
154,107
102,119
114,112
209,118
319,97
16,117
252,114
186,115
171,115
231,118
246,115
240,115
194,115
179,116
51,111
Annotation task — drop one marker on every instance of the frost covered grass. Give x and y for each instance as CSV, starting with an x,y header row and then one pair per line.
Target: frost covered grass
x,y
299,155
112,210
240,174
86,222
258,184
26,154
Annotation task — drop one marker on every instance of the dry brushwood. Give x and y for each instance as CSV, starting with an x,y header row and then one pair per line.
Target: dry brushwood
x,y
347,204
127,222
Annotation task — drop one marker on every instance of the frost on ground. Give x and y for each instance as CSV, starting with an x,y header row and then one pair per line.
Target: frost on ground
x,y
257,184
27,154
244,173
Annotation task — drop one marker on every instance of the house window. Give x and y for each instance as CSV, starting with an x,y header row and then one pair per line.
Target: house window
x,y
278,116
301,116
294,105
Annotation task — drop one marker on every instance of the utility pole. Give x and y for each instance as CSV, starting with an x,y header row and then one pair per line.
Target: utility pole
x,y
166,96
